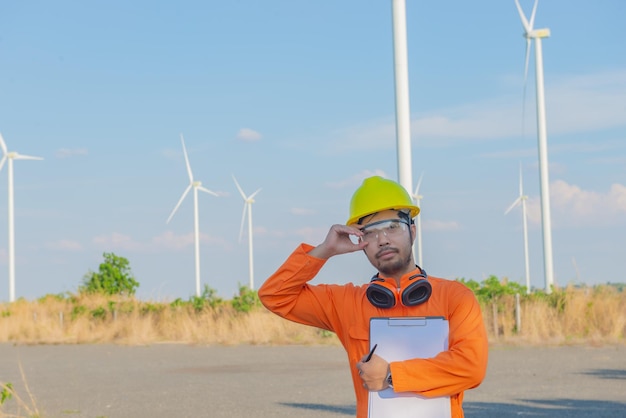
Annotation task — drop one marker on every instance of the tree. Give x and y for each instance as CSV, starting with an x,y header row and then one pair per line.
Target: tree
x,y
114,277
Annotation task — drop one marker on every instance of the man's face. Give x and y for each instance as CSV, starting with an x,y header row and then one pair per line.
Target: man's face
x,y
389,247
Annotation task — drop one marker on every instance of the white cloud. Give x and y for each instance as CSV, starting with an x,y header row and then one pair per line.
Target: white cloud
x,y
117,241
248,135
571,205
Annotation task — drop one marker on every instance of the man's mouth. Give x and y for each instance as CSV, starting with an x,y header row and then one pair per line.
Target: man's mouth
x,y
386,253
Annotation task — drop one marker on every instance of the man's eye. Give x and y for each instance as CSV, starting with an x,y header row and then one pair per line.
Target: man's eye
x,y
393,226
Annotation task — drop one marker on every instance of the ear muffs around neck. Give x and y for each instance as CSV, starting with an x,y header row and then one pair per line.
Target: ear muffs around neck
x,y
382,294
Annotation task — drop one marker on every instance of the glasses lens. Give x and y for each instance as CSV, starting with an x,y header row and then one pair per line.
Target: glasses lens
x,y
388,227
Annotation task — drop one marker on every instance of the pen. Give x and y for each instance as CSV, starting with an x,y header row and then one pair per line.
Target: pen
x,y
369,356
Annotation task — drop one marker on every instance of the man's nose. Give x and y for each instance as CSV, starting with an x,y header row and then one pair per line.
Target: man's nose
x,y
381,237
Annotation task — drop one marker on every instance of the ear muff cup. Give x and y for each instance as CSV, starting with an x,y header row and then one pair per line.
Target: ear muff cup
x,y
383,295
416,293
379,294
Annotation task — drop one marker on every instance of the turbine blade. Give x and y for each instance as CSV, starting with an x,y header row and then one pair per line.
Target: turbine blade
x,y
417,188
239,188
204,189
179,202
3,145
186,159
532,16
253,194
26,157
524,88
4,159
513,205
243,220
525,23
526,60
521,189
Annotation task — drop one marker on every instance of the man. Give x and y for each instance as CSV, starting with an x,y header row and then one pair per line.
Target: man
x,y
381,217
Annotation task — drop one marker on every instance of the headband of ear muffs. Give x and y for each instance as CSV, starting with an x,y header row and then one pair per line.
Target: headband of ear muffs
x,y
383,295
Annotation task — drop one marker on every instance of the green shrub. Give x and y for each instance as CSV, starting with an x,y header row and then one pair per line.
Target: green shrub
x,y
151,308
114,277
99,313
208,298
246,300
78,310
492,288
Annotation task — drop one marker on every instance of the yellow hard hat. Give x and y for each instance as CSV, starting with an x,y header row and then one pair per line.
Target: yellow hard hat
x,y
377,194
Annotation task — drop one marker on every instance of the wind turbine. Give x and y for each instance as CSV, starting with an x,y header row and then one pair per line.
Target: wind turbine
x,y
537,35
247,206
418,198
521,199
196,185
10,156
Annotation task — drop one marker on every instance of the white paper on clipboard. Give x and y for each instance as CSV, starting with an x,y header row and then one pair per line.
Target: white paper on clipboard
x,y
401,339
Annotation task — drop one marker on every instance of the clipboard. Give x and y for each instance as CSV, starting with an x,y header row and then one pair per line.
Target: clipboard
x,y
401,339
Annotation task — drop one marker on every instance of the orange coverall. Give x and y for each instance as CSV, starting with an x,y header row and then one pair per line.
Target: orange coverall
x,y
345,310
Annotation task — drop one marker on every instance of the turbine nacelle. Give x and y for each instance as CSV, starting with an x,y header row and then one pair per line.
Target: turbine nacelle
x,y
537,33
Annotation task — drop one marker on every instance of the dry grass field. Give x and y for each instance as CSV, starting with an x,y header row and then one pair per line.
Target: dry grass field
x,y
568,316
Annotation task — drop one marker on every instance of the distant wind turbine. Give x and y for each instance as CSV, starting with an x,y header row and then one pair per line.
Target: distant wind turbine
x,y
537,35
521,199
417,197
10,156
247,206
196,185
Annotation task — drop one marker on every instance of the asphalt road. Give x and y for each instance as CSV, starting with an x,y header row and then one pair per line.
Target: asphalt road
x,y
169,380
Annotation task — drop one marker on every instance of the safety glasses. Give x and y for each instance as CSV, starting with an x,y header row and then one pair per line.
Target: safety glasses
x,y
389,228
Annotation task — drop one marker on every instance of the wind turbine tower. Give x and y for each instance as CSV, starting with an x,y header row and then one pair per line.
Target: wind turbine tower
x,y
8,157
247,206
417,197
195,185
538,34
521,199
401,75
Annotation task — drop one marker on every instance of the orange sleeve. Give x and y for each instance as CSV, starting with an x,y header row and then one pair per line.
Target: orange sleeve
x,y
287,294
461,367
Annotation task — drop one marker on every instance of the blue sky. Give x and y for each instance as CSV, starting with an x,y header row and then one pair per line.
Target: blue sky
x,y
297,98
